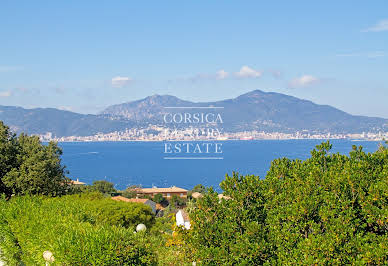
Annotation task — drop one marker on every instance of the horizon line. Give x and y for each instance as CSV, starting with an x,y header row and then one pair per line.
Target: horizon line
x,y
193,158
198,107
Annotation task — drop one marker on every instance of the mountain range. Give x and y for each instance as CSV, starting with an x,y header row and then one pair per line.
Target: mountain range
x,y
256,110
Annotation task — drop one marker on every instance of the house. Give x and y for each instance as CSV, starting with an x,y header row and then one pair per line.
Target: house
x,y
196,195
148,202
166,192
76,183
222,196
182,219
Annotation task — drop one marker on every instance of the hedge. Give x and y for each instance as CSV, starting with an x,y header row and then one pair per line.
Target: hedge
x,y
77,229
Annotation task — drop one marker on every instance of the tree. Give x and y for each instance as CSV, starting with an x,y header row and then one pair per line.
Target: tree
x,y
29,167
176,201
130,192
103,186
328,209
8,156
199,188
158,198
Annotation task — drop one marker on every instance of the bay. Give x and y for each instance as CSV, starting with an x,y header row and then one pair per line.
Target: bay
x,y
144,163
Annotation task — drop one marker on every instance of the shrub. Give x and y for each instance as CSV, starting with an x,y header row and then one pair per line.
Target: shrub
x,y
103,186
328,209
77,229
158,198
177,201
10,249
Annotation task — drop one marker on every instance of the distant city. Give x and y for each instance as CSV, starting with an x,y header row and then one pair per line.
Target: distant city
x,y
158,133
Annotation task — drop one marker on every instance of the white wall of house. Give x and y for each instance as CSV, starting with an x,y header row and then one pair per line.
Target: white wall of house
x,y
180,221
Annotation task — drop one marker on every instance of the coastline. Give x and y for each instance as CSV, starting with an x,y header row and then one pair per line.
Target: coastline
x,y
201,140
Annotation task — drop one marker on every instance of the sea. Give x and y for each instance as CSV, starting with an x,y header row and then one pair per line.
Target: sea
x,y
147,164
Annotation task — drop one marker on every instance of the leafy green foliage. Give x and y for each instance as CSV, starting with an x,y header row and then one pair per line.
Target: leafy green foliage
x,y
160,236
82,229
176,201
199,188
103,186
8,156
328,209
129,192
28,167
158,198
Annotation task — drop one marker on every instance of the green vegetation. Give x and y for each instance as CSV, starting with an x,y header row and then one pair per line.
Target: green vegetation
x,y
130,192
103,186
199,188
176,201
28,167
329,209
84,229
158,198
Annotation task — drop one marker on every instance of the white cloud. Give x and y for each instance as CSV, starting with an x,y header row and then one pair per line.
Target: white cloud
x,y
303,81
5,93
222,74
382,25
120,81
247,72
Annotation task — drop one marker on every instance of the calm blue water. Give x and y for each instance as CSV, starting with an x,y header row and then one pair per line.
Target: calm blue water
x,y
142,163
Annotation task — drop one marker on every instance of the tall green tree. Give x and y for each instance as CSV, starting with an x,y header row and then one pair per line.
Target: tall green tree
x,y
8,156
158,198
29,167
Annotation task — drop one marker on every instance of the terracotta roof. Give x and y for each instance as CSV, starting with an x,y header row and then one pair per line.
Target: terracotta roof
x,y
76,182
162,190
221,196
139,200
121,198
197,195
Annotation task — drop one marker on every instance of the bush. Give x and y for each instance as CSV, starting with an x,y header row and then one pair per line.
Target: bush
x,y
78,230
103,187
29,167
177,201
158,198
10,250
328,209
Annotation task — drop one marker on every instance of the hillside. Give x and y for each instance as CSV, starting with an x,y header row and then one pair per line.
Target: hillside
x,y
59,122
256,110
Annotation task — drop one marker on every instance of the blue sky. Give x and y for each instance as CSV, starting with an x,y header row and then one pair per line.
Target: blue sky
x,y
86,55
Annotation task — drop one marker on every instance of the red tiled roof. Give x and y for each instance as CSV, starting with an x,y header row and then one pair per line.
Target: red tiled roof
x,y
121,198
139,200
162,190
196,195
